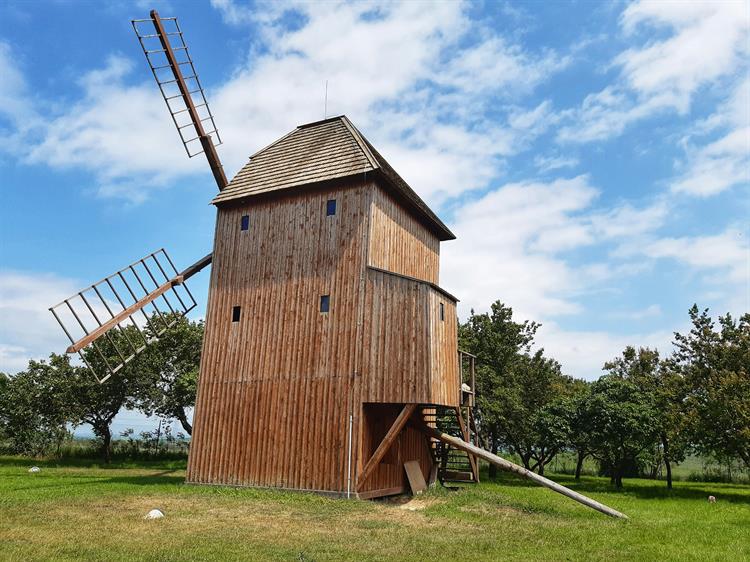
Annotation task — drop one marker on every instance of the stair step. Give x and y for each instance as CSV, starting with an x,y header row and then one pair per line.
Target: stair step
x,y
458,476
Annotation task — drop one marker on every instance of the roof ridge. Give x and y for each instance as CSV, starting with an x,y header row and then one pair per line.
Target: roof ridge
x,y
360,142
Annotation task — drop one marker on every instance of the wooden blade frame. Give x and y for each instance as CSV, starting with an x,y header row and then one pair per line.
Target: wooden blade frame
x,y
92,313
167,55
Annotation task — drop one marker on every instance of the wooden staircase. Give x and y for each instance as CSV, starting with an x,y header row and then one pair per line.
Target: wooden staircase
x,y
453,465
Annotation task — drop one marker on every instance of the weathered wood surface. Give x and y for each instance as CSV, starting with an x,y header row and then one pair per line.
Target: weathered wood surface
x,y
521,471
277,388
274,394
387,442
413,354
401,243
416,479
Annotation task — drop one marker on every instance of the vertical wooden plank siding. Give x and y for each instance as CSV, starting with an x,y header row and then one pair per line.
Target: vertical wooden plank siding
x,y
272,407
389,477
277,388
413,355
399,242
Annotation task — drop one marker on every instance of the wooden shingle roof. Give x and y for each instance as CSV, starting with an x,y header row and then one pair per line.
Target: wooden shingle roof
x,y
318,152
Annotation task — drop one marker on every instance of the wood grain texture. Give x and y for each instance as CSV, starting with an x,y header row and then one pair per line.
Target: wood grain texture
x,y
401,243
272,407
412,353
277,388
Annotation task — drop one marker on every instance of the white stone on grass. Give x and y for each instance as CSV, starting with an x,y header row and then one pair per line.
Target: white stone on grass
x,y
154,514
35,469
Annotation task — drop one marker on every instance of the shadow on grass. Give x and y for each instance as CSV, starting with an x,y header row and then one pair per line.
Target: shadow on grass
x,y
164,478
640,488
77,462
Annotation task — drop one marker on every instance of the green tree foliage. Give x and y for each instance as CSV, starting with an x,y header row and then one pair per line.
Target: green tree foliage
x,y
715,365
520,396
33,411
169,372
666,387
97,404
621,423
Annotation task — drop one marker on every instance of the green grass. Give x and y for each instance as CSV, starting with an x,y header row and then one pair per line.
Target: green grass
x,y
81,511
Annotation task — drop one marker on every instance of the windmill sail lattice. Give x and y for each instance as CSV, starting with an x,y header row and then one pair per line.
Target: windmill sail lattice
x,y
168,56
124,309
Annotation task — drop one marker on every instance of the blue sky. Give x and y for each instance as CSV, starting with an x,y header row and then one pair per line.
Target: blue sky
x,y
592,158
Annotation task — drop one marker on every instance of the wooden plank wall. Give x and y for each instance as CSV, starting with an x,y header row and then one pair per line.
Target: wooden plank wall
x,y
444,368
273,397
399,242
389,477
402,322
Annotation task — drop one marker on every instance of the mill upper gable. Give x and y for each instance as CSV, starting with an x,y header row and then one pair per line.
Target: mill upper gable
x,y
403,234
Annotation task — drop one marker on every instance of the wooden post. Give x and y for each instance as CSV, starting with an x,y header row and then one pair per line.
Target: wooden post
x,y
511,467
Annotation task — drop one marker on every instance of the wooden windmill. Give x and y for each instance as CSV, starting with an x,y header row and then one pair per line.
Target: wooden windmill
x,y
330,359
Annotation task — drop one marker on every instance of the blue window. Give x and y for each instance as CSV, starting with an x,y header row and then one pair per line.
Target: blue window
x,y
325,303
236,310
245,222
331,207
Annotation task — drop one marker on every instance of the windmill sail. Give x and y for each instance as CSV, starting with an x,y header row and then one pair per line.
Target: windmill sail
x,y
173,69
118,316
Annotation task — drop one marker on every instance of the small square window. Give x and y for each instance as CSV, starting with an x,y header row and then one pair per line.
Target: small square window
x,y
325,303
331,207
245,222
442,311
236,310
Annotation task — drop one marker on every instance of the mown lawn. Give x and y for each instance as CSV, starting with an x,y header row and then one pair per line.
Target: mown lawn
x,y
93,513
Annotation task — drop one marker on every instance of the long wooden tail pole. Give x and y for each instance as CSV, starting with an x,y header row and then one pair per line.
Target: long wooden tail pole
x,y
521,471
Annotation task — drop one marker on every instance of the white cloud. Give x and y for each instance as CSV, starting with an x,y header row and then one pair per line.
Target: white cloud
x,y
723,163
27,328
232,13
412,76
582,353
123,134
557,162
727,253
512,244
707,42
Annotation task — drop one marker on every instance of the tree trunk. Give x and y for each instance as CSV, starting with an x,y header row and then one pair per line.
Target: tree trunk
x,y
667,462
540,472
102,431
579,463
619,469
182,418
493,449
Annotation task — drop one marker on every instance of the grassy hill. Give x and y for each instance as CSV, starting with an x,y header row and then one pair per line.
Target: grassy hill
x,y
88,512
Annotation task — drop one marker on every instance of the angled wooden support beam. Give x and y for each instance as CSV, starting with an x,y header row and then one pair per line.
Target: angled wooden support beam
x,y
511,467
386,443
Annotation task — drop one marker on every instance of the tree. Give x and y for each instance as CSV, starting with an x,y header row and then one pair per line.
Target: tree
x,y
97,404
497,341
622,422
579,438
33,412
169,372
715,365
665,386
522,398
